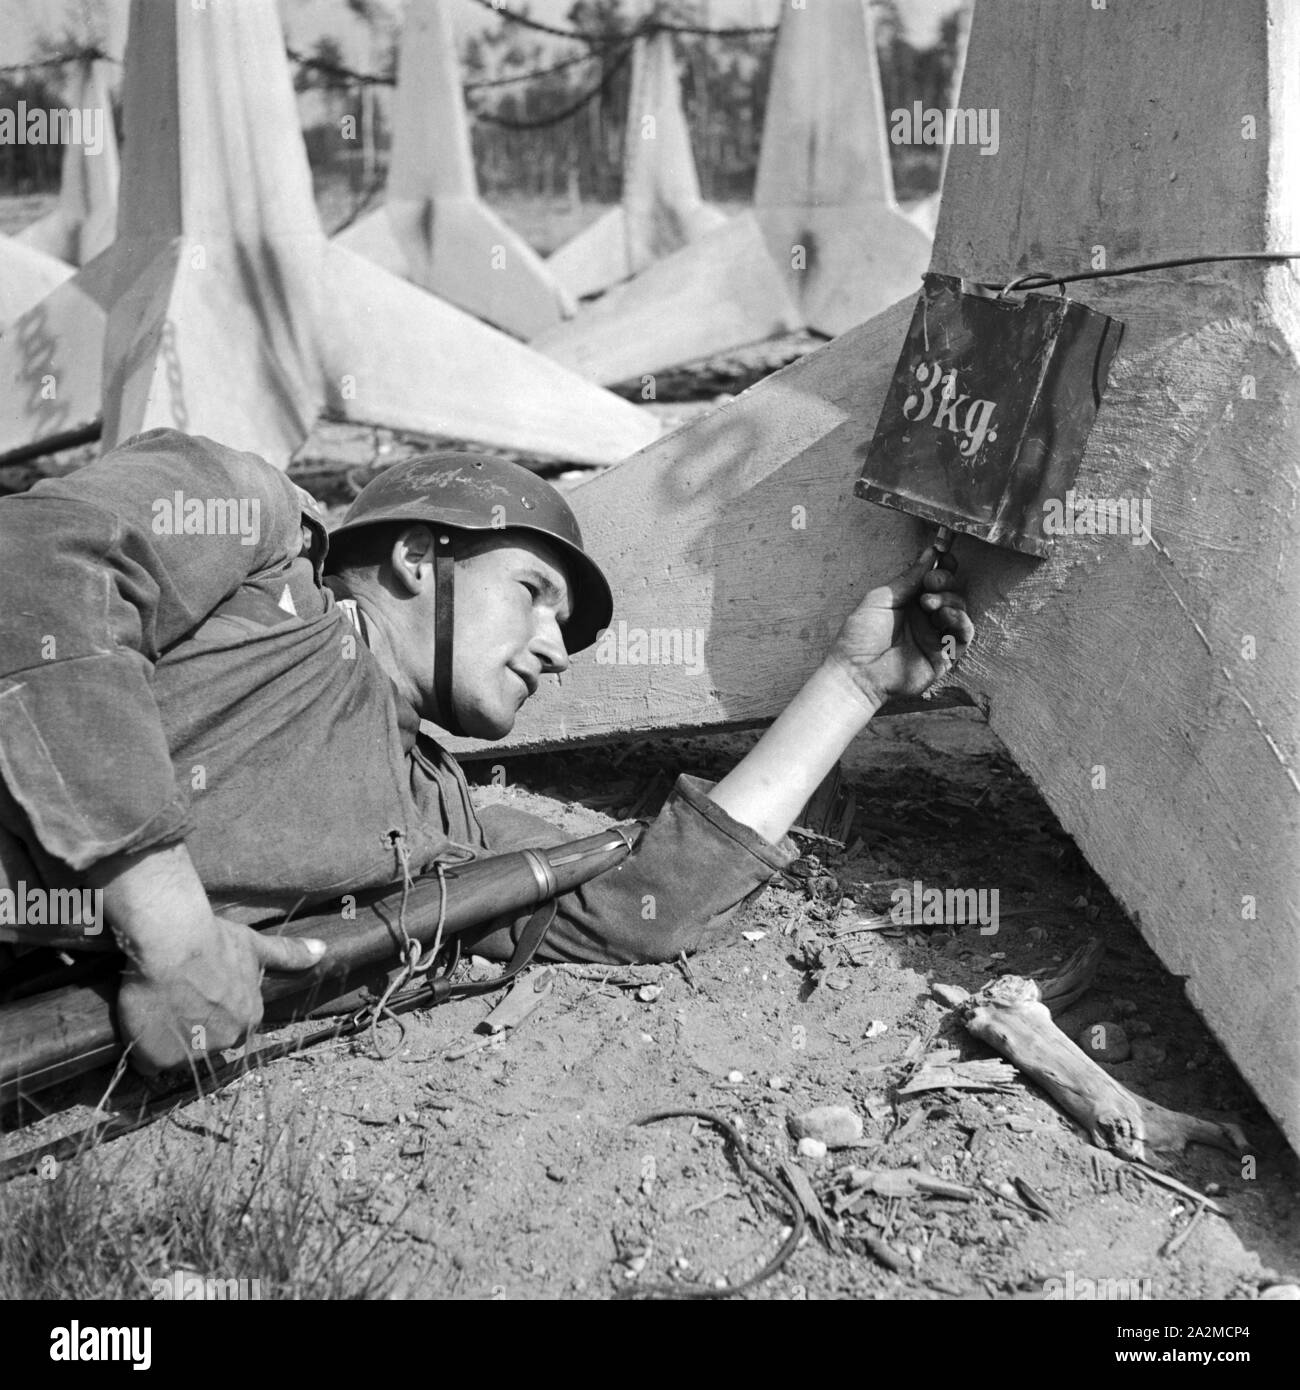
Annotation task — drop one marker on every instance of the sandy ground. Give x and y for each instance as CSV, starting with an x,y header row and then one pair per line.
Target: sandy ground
x,y
518,1171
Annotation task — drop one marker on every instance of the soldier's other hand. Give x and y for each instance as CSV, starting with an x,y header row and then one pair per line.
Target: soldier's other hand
x,y
199,990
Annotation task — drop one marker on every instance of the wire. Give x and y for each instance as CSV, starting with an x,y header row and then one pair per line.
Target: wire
x,y
379,79
528,76
527,22
1041,279
565,112
78,55
788,1246
365,79
648,25
735,32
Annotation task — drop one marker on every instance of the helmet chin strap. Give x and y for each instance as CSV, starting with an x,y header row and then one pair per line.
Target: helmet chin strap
x,y
444,617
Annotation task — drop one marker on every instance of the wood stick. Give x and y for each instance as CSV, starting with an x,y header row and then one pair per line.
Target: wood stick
x,y
1009,1015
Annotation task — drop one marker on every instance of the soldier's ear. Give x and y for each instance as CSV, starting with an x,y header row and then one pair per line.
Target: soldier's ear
x,y
411,558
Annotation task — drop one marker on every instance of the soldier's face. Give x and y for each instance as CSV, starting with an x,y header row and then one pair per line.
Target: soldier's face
x,y
512,594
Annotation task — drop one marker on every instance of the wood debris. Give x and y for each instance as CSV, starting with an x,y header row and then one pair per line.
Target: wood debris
x,y
1010,1017
800,1184
986,1075
905,1182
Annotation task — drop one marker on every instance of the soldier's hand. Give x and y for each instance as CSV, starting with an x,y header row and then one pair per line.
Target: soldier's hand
x,y
906,633
199,990
193,980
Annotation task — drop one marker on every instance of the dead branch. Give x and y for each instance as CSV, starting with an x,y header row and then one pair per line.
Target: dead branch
x,y
1009,1015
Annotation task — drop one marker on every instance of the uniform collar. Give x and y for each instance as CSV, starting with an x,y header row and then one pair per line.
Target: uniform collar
x,y
408,721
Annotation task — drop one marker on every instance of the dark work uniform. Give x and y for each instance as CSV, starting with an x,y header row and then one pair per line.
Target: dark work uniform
x,y
161,681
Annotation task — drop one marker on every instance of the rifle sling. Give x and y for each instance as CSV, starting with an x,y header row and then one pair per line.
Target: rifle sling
x,y
530,938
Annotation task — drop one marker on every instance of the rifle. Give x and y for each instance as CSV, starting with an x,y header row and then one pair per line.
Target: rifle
x,y
55,1036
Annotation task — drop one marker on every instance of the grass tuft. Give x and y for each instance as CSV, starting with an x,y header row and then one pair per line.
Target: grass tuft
x,y
253,1210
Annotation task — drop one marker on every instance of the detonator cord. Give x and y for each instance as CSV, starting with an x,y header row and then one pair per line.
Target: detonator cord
x,y
416,962
1039,279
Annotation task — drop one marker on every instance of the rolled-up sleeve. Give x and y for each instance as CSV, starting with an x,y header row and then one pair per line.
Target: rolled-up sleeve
x,y
683,888
98,577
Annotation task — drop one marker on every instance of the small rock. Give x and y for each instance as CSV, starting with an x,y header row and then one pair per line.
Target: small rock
x,y
1280,1291
735,1077
837,979
555,1174
1105,1042
836,1126
875,1028
776,1083
647,994
753,935
811,1148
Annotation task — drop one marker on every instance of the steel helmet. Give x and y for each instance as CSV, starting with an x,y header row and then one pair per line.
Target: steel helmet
x,y
473,492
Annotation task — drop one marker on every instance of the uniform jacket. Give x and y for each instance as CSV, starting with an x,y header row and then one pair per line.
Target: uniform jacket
x,y
172,667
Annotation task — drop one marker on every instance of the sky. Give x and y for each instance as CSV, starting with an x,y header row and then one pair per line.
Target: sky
x,y
22,21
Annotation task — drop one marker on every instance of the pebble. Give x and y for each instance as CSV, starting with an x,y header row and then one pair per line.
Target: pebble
x,y
1105,1041
836,1126
875,1028
647,994
776,1083
735,1077
811,1148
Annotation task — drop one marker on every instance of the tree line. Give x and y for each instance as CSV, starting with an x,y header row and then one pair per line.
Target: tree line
x,y
724,90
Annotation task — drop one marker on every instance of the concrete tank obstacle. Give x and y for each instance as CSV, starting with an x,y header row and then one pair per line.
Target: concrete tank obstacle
x,y
223,310
84,220
433,228
925,212
1148,689
825,191
835,248
26,277
661,208
719,293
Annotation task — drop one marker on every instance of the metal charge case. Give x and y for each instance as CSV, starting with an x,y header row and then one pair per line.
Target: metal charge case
x,y
989,410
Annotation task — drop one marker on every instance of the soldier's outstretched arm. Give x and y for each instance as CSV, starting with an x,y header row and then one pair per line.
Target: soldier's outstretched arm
x,y
897,642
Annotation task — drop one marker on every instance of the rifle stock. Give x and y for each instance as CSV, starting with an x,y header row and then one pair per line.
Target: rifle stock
x,y
56,1036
